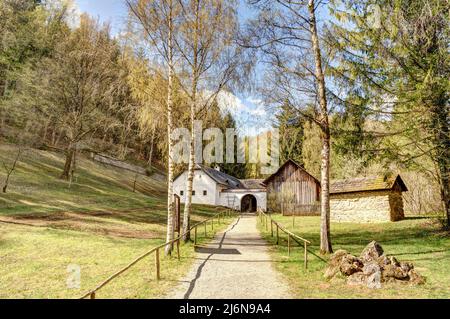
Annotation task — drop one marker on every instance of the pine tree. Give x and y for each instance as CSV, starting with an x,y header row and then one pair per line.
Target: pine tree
x,y
290,125
393,64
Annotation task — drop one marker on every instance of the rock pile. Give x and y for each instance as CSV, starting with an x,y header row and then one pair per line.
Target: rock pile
x,y
371,268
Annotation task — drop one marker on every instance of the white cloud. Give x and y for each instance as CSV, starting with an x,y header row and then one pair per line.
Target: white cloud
x,y
260,110
255,101
230,102
250,113
73,10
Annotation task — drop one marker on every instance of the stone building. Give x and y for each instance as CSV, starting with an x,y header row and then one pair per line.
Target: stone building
x,y
366,200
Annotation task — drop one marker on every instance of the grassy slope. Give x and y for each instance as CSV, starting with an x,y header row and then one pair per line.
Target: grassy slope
x,y
35,186
414,240
98,224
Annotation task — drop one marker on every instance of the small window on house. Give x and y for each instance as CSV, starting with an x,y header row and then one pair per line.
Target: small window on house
x,y
205,193
182,193
193,193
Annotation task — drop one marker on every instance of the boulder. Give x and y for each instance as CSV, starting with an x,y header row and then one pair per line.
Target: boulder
x,y
357,279
406,267
350,265
372,268
331,272
392,271
415,278
337,257
383,261
372,252
335,263
372,271
394,261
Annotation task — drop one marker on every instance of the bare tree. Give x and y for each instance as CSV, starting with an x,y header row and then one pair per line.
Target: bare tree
x,y
10,170
157,19
210,57
286,34
76,87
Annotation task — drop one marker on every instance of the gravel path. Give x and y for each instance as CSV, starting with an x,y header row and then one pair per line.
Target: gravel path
x,y
236,264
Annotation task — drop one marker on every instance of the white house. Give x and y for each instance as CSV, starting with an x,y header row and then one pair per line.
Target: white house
x,y
213,187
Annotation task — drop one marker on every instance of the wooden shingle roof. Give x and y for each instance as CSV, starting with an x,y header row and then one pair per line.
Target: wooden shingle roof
x,y
221,177
289,161
374,183
253,183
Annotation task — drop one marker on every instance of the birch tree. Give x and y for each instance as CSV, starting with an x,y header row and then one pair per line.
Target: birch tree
x,y
157,19
210,57
287,37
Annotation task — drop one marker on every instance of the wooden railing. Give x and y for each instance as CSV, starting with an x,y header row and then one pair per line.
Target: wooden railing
x,y
275,228
156,250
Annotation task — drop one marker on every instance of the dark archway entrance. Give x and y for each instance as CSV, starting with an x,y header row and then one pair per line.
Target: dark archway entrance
x,y
249,204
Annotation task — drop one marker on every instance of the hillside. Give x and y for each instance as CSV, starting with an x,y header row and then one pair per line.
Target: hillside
x,y
98,224
36,188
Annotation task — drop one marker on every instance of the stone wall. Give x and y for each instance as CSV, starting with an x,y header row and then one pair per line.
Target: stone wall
x,y
362,207
396,203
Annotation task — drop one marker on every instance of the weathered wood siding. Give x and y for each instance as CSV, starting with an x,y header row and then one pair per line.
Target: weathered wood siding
x,y
293,191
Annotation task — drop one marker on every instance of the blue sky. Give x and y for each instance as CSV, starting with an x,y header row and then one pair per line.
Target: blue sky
x,y
113,11
249,111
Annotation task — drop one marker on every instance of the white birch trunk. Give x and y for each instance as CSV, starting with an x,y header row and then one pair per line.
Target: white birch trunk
x,y
191,168
190,179
170,173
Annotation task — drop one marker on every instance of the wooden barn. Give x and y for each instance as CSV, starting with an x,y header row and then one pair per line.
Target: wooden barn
x,y
293,191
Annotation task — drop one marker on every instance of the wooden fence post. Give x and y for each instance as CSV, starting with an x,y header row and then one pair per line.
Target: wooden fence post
x,y
289,245
212,224
195,236
158,275
267,225
278,235
271,227
178,249
206,231
306,255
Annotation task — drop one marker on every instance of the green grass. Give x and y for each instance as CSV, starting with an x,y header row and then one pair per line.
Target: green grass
x,y
34,263
98,223
416,240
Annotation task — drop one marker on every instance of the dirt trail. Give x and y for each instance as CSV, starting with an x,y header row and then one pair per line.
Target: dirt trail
x,y
236,264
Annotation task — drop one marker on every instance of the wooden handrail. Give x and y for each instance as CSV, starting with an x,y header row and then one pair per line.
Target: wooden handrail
x,y
299,240
92,293
284,229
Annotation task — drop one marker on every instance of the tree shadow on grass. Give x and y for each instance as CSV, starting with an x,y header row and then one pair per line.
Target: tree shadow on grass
x,y
396,238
